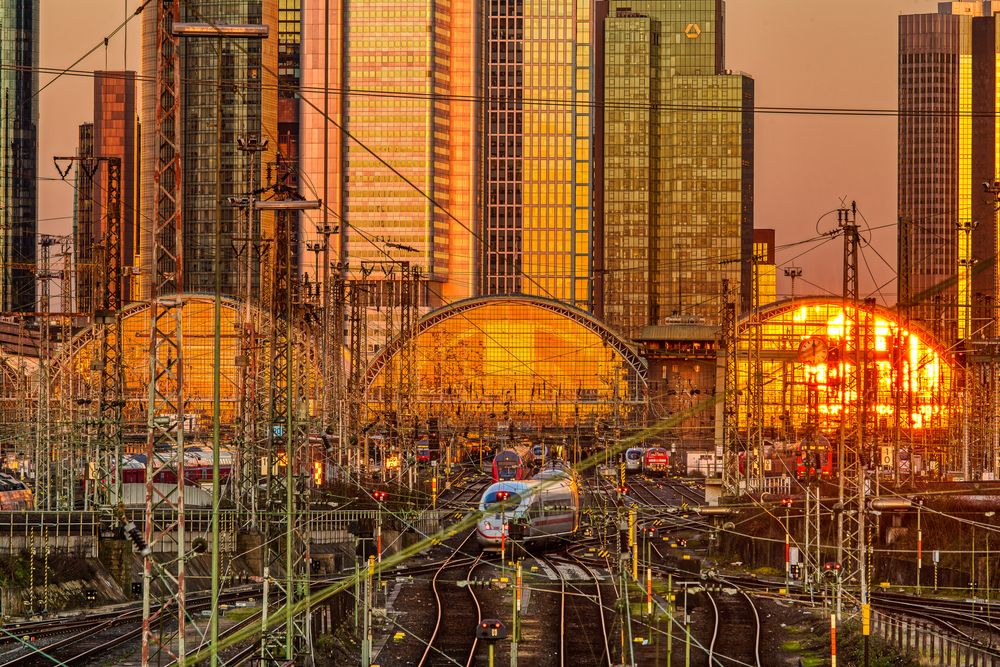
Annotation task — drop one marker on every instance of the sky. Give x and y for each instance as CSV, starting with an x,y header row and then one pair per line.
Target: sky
x,y
801,54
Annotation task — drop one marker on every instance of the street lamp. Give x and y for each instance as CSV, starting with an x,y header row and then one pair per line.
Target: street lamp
x,y
217,32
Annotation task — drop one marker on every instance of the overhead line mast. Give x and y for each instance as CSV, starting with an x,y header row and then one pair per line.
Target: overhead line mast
x,y
164,627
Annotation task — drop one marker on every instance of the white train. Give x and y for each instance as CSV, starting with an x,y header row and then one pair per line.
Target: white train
x,y
545,508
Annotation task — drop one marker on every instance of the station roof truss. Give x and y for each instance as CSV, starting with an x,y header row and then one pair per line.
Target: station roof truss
x,y
527,358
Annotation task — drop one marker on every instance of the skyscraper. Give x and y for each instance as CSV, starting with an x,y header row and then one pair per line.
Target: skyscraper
x,y
537,132
399,88
248,105
116,134
677,165
85,254
949,145
19,31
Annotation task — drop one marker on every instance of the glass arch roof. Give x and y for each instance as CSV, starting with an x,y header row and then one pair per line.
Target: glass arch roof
x,y
517,359
908,368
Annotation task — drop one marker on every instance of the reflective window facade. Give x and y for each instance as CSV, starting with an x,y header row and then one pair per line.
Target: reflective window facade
x,y
19,34
248,106
763,253
407,65
949,144
678,164
197,314
510,361
87,270
911,365
538,128
116,127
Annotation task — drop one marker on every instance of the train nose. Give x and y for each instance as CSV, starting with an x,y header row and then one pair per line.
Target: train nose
x,y
491,530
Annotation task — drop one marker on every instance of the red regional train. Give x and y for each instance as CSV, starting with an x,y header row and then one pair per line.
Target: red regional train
x,y
812,458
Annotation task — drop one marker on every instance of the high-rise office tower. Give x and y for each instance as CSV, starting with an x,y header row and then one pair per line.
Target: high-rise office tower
x,y
19,31
289,82
676,166
248,107
116,134
388,130
85,260
949,145
537,78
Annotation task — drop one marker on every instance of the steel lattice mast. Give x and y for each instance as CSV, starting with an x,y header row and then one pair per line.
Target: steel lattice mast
x,y
165,440
849,464
730,406
286,535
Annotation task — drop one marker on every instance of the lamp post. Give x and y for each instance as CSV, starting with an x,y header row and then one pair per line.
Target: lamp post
x,y
219,33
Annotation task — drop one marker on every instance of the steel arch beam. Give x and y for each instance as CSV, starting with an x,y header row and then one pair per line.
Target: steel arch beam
x,y
631,356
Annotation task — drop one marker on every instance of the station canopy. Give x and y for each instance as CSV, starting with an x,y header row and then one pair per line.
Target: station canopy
x,y
810,353
509,360
76,371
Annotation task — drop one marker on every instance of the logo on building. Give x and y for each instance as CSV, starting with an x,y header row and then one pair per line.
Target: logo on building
x,y
692,31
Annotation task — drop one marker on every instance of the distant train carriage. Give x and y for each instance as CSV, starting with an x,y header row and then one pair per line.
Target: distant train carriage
x,y
633,459
14,494
508,465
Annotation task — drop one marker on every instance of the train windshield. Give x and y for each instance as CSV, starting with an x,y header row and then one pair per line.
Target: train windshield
x,y
633,454
494,500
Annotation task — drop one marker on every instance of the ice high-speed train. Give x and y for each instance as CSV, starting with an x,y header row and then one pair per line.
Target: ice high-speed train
x,y
545,508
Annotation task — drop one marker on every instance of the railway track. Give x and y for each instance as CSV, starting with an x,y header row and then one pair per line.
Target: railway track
x,y
577,643
736,614
453,647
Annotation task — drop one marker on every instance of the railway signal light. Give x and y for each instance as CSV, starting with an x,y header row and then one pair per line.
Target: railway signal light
x,y
491,630
503,495
786,502
380,496
831,570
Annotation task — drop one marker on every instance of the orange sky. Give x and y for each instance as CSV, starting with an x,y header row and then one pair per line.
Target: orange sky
x,y
800,53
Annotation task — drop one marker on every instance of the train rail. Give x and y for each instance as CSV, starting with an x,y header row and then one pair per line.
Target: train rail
x,y
447,644
742,629
576,645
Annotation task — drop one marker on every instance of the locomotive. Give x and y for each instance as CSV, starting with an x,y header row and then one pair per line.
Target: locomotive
x,y
540,510
508,465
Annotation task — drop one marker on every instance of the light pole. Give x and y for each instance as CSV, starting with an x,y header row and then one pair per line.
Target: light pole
x,y
793,272
219,33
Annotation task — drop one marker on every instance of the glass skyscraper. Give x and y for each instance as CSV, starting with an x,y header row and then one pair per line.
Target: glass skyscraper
x,y
949,145
398,77
19,31
677,166
249,107
537,213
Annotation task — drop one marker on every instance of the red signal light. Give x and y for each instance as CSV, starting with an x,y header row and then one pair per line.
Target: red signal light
x,y
503,495
380,496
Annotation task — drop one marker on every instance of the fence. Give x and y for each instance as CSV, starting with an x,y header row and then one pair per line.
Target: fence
x,y
925,640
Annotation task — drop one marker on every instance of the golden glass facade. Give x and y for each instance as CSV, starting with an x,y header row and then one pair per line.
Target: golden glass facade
x,y
508,360
556,206
692,179
949,144
921,372
392,70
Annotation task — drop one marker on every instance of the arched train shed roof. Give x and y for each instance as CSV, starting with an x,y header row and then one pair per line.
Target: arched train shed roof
x,y
461,308
777,309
